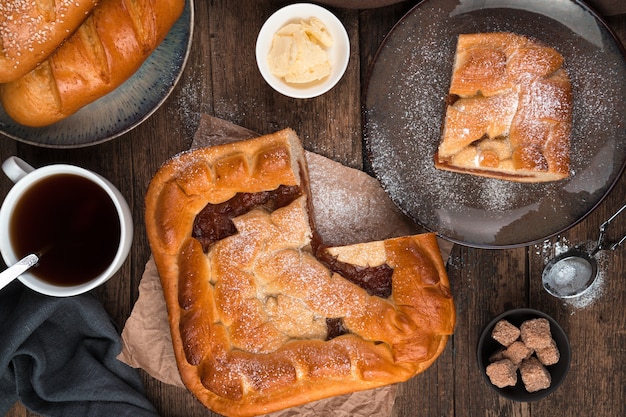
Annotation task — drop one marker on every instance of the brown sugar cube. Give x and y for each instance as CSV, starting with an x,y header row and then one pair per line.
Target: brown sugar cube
x,y
549,355
505,333
534,375
498,355
502,373
536,333
517,352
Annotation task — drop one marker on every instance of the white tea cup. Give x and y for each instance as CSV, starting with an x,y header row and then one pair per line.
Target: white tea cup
x,y
83,219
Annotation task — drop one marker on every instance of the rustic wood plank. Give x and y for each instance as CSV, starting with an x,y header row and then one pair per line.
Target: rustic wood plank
x,y
221,79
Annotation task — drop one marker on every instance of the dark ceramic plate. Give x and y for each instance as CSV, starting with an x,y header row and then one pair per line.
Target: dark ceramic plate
x,y
123,109
404,111
487,346
359,4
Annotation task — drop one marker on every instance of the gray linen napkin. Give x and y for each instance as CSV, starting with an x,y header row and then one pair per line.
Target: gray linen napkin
x,y
58,357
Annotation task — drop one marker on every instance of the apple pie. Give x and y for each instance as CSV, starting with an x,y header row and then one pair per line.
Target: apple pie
x,y
263,315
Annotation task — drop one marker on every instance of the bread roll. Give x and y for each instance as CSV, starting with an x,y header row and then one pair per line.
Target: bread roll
x,y
107,49
509,114
263,317
30,30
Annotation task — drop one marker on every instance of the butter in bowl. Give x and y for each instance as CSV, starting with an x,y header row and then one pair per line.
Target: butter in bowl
x,y
302,50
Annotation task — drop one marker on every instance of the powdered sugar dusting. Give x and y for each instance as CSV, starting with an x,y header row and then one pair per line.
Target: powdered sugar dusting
x,y
189,99
550,249
343,197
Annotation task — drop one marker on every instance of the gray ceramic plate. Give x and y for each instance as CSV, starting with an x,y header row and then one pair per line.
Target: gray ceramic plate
x,y
404,110
123,109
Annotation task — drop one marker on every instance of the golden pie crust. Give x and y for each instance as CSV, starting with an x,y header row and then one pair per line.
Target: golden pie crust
x,y
509,112
249,313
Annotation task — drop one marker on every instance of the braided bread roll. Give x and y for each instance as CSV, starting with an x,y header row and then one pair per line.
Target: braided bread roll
x,y
262,316
31,30
107,49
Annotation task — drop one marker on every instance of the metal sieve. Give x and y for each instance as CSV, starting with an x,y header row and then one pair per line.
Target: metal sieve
x,y
571,273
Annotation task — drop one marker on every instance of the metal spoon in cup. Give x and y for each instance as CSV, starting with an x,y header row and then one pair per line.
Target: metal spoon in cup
x,y
573,272
17,269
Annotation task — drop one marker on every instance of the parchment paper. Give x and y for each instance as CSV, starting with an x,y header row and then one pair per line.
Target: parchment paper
x,y
349,207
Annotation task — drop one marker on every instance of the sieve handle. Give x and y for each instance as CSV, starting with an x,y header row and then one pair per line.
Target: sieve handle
x,y
602,244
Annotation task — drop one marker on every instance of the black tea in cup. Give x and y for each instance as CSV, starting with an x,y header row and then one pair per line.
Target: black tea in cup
x,y
72,223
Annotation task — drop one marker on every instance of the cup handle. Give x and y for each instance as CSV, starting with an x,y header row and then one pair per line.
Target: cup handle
x,y
16,168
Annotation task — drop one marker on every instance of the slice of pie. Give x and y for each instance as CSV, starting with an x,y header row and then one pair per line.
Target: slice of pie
x,y
509,110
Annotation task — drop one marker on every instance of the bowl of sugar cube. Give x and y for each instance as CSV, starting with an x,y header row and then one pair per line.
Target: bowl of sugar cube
x,y
524,354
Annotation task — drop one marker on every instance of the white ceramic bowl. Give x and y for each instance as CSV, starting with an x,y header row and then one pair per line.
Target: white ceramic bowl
x,y
338,53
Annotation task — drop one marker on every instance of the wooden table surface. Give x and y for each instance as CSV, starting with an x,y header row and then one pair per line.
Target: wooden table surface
x,y
221,79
